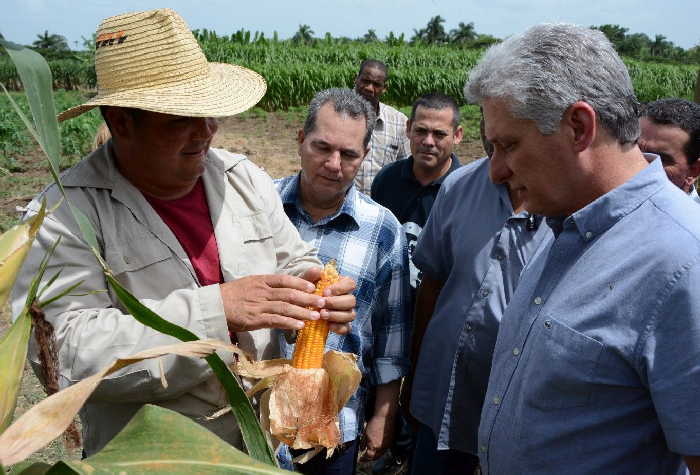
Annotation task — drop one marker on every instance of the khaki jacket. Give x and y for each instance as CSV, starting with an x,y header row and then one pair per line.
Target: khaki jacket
x,y
254,236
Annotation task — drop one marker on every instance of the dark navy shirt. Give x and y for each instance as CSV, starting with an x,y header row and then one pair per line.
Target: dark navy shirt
x,y
395,187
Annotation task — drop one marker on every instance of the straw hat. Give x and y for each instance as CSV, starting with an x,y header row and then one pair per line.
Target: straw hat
x,y
150,60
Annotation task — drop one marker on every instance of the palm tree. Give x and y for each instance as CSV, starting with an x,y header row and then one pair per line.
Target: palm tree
x,y
370,36
51,42
660,46
303,35
464,33
433,32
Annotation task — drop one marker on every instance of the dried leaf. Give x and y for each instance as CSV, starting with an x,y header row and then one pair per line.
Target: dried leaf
x,y
48,419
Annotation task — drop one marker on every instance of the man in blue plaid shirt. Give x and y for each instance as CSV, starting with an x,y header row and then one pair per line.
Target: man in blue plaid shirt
x,y
369,246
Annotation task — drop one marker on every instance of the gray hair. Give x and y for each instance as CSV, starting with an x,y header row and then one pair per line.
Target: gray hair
x,y
346,102
551,66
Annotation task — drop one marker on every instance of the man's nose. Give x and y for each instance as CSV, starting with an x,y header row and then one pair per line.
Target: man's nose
x,y
333,162
205,127
429,139
498,169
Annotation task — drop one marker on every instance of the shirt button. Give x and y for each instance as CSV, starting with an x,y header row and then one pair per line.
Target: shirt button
x,y
126,259
499,256
485,293
538,300
483,448
589,235
548,324
496,400
516,351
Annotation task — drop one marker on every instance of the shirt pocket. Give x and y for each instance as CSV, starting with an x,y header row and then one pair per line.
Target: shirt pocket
x,y
146,266
258,255
562,367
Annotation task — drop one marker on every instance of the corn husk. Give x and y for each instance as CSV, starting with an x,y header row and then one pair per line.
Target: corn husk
x,y
301,406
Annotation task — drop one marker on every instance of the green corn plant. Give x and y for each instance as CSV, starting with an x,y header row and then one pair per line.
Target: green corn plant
x,y
37,80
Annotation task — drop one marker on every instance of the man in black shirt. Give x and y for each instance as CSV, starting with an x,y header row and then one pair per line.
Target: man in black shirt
x,y
408,187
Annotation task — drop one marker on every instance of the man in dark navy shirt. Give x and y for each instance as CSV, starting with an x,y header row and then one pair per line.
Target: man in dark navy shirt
x,y
408,187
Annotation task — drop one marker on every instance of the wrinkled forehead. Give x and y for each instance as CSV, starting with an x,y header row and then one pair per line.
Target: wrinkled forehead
x,y
373,73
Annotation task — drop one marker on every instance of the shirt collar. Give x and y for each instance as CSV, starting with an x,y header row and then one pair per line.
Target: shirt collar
x,y
600,215
407,171
291,198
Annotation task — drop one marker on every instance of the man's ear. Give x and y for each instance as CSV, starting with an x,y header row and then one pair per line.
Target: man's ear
x,y
300,136
408,127
693,173
121,123
581,120
459,133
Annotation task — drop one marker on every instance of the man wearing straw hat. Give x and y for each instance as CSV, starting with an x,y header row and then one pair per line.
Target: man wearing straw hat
x,y
198,235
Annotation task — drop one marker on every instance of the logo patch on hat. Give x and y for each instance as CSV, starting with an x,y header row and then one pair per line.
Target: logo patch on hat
x,y
109,39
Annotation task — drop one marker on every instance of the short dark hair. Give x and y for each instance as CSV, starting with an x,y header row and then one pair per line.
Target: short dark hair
x,y
345,101
374,63
678,113
437,100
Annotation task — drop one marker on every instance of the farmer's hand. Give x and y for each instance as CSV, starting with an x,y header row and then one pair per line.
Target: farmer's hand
x,y
280,301
339,307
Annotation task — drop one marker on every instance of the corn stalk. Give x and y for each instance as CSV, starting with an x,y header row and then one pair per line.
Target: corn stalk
x,y
37,80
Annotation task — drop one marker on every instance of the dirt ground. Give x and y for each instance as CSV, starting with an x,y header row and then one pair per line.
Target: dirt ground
x,y
269,140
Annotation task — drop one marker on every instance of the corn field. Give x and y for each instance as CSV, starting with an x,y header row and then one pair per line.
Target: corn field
x,y
294,72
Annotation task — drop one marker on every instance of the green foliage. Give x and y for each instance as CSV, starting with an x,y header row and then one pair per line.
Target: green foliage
x,y
36,78
433,33
76,134
657,80
640,46
159,440
304,35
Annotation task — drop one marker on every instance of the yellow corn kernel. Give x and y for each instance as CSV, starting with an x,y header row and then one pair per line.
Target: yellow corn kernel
x,y
311,340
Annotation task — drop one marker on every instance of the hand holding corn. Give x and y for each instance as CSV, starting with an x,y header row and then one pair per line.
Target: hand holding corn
x,y
285,301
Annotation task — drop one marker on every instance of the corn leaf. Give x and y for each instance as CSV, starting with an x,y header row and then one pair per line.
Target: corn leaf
x,y
255,440
14,245
13,354
48,419
145,446
37,82
36,78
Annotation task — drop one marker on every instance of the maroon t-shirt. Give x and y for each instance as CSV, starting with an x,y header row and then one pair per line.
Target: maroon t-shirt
x,y
188,218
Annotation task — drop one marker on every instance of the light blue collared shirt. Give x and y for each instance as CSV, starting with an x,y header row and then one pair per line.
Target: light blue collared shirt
x,y
368,245
597,364
477,246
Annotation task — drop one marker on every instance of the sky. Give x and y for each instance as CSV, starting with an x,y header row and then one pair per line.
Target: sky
x,y
677,20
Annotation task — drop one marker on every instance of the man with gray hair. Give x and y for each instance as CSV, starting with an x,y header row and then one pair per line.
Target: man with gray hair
x,y
368,243
586,374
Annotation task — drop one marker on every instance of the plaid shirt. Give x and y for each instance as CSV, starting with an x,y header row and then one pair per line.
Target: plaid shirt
x,y
388,144
369,246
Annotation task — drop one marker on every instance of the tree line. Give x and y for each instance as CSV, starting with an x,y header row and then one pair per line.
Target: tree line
x,y
634,45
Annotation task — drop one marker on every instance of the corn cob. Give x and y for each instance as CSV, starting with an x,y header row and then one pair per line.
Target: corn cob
x,y
311,341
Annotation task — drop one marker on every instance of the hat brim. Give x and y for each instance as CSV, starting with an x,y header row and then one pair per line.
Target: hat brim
x,y
227,90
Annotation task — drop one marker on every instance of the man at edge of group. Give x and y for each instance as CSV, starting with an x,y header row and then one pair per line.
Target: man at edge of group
x,y
596,367
408,188
670,128
475,244
197,234
389,142
368,245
